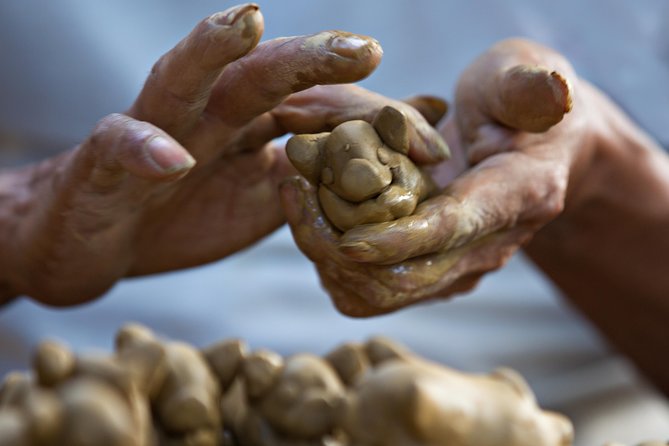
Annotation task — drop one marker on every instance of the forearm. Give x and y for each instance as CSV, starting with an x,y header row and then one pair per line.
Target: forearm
x,y
14,198
609,251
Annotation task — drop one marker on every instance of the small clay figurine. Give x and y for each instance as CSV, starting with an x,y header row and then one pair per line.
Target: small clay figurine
x,y
409,401
185,394
291,402
362,170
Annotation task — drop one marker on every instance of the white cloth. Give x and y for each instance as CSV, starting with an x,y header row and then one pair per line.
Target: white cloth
x,y
66,64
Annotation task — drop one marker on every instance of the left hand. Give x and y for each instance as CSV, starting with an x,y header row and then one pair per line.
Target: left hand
x,y
189,174
508,106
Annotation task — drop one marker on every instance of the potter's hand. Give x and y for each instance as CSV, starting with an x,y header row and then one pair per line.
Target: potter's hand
x,y
508,106
186,176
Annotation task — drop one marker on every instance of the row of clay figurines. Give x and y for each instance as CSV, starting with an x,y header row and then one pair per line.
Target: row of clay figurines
x,y
152,392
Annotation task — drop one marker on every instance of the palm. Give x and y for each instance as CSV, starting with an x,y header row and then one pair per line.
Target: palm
x,y
216,211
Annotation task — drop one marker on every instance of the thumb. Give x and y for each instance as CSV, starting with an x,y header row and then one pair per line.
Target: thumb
x,y
517,83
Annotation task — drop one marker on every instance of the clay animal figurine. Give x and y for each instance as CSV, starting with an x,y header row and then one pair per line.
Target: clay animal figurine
x,y
81,401
183,390
406,400
362,170
274,402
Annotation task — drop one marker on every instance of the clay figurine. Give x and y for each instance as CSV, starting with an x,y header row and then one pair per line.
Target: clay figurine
x,y
362,170
405,400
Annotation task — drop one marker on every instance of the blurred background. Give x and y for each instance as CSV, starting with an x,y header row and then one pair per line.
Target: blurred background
x,y
66,64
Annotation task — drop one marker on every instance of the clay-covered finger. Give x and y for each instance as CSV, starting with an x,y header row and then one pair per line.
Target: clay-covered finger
x,y
517,83
179,85
502,192
276,68
531,98
322,108
312,232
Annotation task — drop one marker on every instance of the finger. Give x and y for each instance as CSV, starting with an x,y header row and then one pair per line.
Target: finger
x,y
179,85
312,232
504,191
432,108
349,303
517,83
120,145
279,67
435,276
322,108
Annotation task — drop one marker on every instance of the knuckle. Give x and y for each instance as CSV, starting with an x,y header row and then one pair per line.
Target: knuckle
x,y
554,194
106,128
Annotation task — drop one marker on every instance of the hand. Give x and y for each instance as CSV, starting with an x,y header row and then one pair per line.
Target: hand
x,y
188,175
526,161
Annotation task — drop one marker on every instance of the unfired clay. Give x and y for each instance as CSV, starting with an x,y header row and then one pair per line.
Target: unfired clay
x,y
362,170
409,401
152,392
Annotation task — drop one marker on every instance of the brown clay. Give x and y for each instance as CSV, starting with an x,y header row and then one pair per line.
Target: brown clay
x,y
362,170
53,363
95,413
645,443
406,402
306,399
225,359
260,371
350,361
14,428
374,393
185,393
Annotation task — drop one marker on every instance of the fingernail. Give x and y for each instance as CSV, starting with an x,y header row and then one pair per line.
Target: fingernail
x,y
166,157
440,149
360,251
232,15
349,45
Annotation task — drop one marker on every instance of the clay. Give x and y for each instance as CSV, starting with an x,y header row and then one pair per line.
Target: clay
x,y
301,406
645,443
380,349
119,375
362,170
155,392
14,428
407,402
350,361
14,388
185,394
260,371
95,413
53,363
32,417
306,400
225,359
